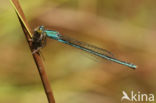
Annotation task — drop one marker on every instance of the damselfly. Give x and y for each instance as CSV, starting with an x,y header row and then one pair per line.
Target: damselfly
x,y
39,41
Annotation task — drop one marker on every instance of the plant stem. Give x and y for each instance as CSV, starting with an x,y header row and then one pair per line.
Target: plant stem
x,y
36,56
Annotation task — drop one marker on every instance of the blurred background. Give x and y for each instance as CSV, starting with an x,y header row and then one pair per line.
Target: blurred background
x,y
124,27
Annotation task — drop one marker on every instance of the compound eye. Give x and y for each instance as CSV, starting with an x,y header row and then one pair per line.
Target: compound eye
x,y
41,28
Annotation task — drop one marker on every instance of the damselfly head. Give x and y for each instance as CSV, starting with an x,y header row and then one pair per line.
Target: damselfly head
x,y
39,30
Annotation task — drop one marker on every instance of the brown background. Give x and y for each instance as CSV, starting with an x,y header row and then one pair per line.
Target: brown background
x,y
124,27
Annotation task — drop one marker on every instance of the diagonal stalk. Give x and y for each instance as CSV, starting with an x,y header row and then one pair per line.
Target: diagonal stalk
x,y
36,56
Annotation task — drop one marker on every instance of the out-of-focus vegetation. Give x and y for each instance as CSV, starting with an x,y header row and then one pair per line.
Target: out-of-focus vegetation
x,y
125,27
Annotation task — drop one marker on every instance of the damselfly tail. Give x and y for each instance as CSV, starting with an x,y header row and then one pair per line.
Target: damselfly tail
x,y
94,50
103,53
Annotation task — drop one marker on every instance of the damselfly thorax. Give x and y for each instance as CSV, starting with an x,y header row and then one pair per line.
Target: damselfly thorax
x,y
38,39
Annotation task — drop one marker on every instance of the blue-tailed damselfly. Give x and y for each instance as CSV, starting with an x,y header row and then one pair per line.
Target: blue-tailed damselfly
x,y
39,40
